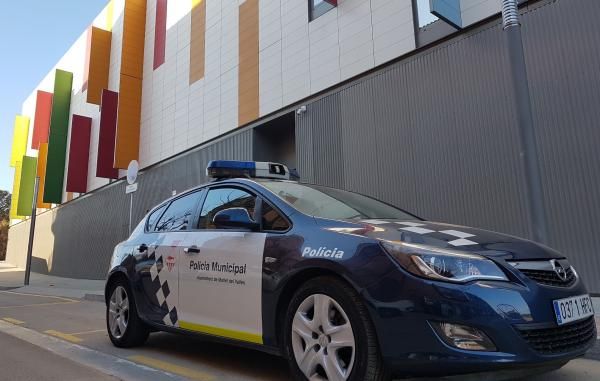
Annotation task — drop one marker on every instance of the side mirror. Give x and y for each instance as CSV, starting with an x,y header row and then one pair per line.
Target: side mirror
x,y
234,218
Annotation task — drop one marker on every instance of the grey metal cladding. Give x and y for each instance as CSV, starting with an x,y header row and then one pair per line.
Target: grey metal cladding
x,y
436,132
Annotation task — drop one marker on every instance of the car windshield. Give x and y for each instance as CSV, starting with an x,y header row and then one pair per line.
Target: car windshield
x,y
332,203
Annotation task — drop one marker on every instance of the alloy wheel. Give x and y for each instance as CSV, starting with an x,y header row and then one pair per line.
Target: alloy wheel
x,y
323,340
118,312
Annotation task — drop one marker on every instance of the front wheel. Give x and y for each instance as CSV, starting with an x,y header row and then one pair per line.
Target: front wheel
x,y
125,328
328,334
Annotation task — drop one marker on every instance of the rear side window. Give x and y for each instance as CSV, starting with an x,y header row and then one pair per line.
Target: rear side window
x,y
179,214
272,220
154,217
224,198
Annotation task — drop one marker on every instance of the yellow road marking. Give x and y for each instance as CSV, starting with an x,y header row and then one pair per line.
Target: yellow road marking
x,y
13,321
88,332
64,336
223,332
40,296
172,368
37,305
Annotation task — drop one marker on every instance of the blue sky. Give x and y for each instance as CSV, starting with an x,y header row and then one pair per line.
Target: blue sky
x,y
34,35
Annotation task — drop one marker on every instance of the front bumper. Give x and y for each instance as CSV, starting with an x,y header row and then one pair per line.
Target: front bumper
x,y
402,306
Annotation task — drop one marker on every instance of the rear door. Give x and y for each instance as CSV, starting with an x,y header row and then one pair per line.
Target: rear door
x,y
221,272
169,235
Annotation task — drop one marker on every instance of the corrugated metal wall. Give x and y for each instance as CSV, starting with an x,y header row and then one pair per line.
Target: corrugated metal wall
x,y
436,133
77,239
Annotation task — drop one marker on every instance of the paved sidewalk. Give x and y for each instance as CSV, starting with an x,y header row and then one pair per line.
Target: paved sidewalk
x,y
11,278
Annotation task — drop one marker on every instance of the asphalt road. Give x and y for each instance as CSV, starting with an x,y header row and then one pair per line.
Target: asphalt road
x,y
48,329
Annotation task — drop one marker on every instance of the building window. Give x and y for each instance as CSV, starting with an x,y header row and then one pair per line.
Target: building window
x,y
320,7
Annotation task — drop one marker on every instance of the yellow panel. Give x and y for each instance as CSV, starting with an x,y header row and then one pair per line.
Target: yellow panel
x,y
197,42
134,27
222,332
20,135
99,64
15,193
110,14
129,115
41,172
248,91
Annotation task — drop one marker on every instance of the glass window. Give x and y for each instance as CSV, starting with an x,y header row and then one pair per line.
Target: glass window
x,y
154,217
272,220
179,214
333,203
320,7
224,198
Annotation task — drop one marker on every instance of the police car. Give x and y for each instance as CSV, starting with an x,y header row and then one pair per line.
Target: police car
x,y
342,285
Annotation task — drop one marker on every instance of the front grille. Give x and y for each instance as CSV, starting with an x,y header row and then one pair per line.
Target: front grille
x,y
561,339
550,278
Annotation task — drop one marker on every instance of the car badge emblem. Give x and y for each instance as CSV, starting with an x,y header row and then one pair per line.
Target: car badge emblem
x,y
170,262
559,270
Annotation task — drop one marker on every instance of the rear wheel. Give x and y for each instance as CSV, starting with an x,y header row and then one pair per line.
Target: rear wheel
x,y
329,336
125,328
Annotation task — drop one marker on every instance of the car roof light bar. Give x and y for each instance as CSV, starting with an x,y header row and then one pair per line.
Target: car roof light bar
x,y
222,169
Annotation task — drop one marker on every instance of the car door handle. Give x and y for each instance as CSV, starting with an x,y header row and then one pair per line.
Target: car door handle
x,y
143,247
191,250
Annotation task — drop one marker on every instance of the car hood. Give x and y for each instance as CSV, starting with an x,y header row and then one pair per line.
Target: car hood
x,y
437,234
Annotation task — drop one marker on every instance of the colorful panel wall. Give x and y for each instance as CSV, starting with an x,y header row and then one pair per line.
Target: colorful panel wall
x,y
198,40
15,192
41,123
106,140
20,137
41,173
57,142
248,90
99,64
79,154
127,139
86,65
160,33
27,186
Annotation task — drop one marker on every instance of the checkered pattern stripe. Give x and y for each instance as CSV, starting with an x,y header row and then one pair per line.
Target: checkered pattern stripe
x,y
458,238
166,299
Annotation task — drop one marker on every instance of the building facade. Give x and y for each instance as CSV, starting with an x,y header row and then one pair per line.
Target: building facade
x,y
374,96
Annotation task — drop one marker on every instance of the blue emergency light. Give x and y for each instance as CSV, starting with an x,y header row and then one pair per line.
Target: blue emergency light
x,y
220,169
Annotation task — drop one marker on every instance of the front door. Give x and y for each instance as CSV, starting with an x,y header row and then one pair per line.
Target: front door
x,y
220,271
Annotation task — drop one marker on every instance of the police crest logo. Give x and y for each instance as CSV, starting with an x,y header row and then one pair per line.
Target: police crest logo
x,y
170,262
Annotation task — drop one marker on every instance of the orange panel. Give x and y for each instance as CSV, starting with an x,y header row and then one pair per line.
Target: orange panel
x,y
41,172
128,121
134,28
99,64
248,91
198,40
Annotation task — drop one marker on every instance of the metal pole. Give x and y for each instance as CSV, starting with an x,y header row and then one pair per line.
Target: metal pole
x,y
130,210
529,152
31,231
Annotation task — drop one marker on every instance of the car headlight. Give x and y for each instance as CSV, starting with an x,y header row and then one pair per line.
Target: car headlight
x,y
443,264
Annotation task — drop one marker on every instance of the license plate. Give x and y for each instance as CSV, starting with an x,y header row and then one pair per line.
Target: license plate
x,y
572,309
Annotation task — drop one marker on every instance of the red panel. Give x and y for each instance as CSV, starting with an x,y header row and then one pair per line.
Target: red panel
x,y
108,132
79,154
41,125
332,2
160,33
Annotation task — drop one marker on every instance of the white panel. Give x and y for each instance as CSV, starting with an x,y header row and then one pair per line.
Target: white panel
x,y
295,50
477,10
324,51
355,37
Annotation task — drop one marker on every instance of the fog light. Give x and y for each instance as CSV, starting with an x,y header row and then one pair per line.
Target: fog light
x,y
464,337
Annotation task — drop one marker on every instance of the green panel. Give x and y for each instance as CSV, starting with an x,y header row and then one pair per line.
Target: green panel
x,y
26,189
57,141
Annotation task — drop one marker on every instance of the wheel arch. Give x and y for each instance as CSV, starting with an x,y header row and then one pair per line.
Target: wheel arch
x,y
112,278
293,284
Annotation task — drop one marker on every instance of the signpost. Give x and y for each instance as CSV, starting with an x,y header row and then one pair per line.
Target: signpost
x,y
132,172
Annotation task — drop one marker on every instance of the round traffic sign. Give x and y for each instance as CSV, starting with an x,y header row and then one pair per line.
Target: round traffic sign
x,y
132,171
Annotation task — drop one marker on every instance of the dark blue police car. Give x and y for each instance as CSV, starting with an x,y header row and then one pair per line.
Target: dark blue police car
x,y
344,286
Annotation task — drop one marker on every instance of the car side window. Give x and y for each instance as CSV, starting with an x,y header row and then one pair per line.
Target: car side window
x,y
272,220
218,199
154,217
179,214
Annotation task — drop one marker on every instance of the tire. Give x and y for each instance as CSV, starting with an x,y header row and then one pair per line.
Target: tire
x,y
133,332
322,347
